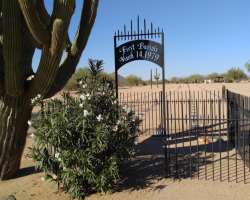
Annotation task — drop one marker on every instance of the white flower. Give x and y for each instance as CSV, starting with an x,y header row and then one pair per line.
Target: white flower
x,y
125,107
57,155
85,113
36,99
87,95
118,122
54,177
84,86
99,118
29,123
30,78
82,97
115,128
80,82
81,105
129,110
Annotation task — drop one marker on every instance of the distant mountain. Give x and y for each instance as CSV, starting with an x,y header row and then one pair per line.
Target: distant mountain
x,y
121,79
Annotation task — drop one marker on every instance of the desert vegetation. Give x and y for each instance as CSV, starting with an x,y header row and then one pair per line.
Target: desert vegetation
x,y
81,142
234,74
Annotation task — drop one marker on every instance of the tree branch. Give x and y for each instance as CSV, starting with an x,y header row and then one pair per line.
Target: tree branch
x,y
68,67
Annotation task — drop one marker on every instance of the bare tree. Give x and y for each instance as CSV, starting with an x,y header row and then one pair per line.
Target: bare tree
x,y
25,26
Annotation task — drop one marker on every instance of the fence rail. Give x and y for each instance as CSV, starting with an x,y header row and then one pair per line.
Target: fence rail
x,y
207,131
148,106
239,131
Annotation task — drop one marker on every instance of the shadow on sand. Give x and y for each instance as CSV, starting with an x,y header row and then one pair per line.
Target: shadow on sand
x,y
26,172
146,168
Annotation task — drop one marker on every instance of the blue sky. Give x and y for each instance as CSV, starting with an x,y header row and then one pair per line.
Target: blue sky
x,y
202,36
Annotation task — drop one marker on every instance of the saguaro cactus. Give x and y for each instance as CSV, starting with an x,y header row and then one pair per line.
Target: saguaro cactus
x,y
24,26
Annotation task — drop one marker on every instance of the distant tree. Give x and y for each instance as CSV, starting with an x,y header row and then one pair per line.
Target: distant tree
x,y
235,74
133,80
83,73
79,74
175,80
213,76
247,66
196,78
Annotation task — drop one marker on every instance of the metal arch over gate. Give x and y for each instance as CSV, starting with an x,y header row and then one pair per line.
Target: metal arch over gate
x,y
141,44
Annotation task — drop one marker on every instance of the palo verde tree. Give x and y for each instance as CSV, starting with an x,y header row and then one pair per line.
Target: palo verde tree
x,y
25,26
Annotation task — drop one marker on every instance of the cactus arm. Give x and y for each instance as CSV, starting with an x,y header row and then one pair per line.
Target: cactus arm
x,y
36,25
42,12
12,47
27,55
49,63
88,16
51,57
1,53
68,67
1,24
1,71
46,18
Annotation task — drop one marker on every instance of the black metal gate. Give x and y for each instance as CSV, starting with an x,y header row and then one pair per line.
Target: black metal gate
x,y
208,132
208,137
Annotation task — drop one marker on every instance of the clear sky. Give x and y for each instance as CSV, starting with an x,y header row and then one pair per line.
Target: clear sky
x,y
202,36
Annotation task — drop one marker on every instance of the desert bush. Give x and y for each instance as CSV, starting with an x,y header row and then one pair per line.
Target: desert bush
x,y
235,74
132,80
83,73
82,142
72,83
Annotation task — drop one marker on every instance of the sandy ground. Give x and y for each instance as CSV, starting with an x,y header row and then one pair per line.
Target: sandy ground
x,y
144,177
144,181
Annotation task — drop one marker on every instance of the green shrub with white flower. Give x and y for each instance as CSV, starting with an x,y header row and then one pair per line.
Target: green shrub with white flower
x,y
82,142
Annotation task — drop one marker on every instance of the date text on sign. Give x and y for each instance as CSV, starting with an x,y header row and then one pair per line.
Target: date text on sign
x,y
139,50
